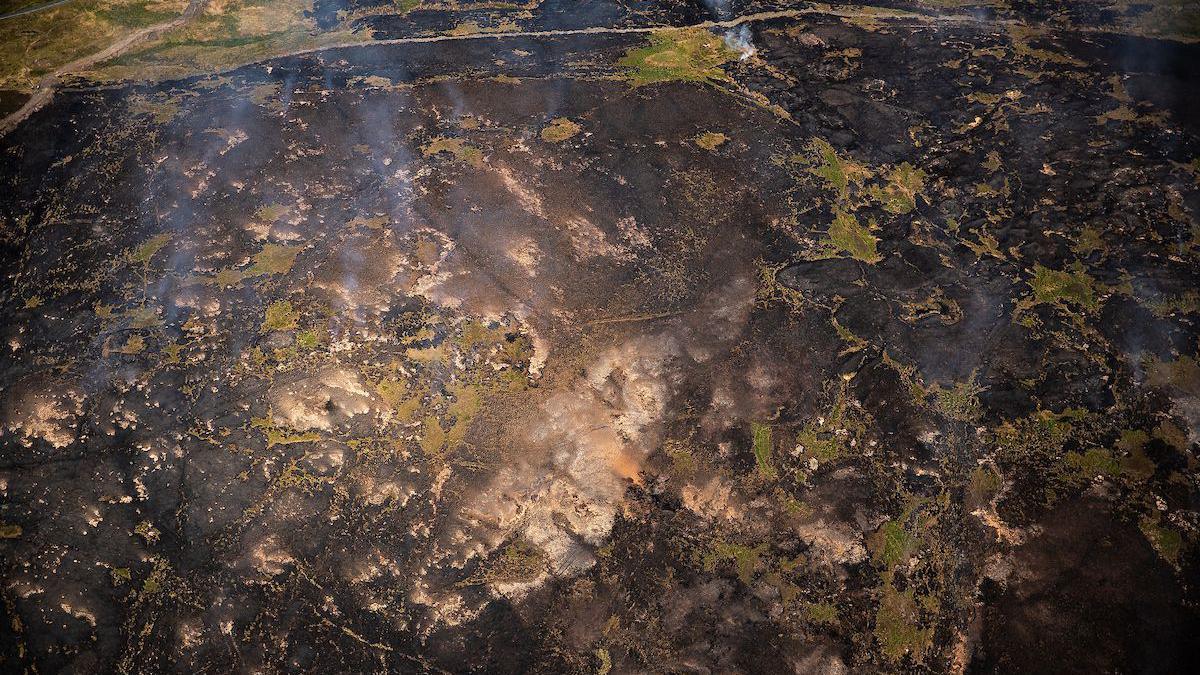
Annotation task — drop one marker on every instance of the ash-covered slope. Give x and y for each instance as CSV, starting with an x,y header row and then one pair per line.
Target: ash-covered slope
x,y
832,339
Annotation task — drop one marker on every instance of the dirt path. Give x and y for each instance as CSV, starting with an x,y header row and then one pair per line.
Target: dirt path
x,y
600,30
49,84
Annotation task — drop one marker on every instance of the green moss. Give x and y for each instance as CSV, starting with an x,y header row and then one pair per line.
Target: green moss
x,y
559,129
605,665
851,238
518,561
960,402
683,462
762,449
904,184
840,173
274,259
1041,434
984,485
147,531
135,344
393,391
433,438
1135,463
821,612
172,354
142,254
745,558
121,575
897,626
462,410
824,445
157,581
1074,286
307,340
142,317
987,245
1187,302
294,477
1089,240
854,342
1166,540
831,436
687,54
280,436
457,147
711,140
771,290
1092,463
280,316
891,544
1172,434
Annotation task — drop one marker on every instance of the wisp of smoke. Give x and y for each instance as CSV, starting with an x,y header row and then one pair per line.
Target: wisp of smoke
x,y
738,39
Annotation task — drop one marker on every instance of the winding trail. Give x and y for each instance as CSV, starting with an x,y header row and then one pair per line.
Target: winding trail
x,y
620,30
49,84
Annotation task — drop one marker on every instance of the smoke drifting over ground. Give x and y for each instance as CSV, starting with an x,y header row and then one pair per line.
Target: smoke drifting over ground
x,y
558,340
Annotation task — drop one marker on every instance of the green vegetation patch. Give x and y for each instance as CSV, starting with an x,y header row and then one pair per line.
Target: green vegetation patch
x,y
1093,463
897,625
960,402
821,612
36,44
274,259
834,433
1135,463
839,172
243,31
277,435
984,485
144,253
891,544
519,561
762,449
711,140
307,340
1165,539
1071,286
745,559
457,147
280,316
160,109
687,54
559,130
904,184
848,236
270,213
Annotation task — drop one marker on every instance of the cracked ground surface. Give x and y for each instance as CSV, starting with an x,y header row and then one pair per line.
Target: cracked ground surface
x,y
596,337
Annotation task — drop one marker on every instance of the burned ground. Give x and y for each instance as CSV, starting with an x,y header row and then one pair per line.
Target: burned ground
x,y
840,339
